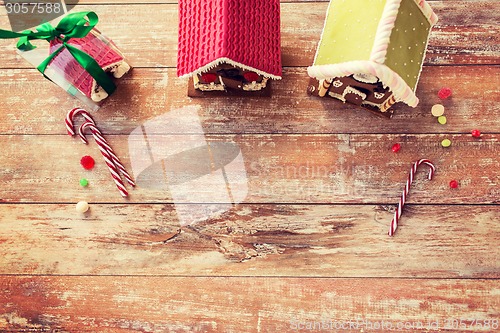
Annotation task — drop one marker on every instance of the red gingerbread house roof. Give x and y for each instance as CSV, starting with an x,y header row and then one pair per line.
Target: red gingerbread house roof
x,y
243,33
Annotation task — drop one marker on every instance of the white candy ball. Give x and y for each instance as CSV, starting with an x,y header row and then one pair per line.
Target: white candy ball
x,y
82,206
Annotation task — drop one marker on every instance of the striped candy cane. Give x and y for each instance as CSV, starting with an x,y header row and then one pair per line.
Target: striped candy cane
x,y
72,114
103,144
108,159
409,181
112,161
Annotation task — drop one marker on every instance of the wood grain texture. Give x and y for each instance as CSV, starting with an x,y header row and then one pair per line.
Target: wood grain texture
x,y
126,304
309,241
467,33
335,169
251,240
149,93
100,2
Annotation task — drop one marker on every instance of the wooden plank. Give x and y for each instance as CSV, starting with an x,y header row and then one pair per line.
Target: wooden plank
x,y
275,168
468,33
133,304
99,2
251,240
152,41
32,105
302,248
106,2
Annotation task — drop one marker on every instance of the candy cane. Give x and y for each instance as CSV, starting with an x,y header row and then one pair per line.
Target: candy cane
x,y
71,115
108,159
409,181
101,141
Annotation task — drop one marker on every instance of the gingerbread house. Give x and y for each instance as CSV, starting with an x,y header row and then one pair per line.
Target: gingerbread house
x,y
228,45
105,53
371,52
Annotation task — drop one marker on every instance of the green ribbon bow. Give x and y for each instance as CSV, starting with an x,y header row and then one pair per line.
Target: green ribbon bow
x,y
75,25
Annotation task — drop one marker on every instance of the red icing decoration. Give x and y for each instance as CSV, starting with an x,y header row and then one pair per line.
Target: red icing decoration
x,y
65,64
444,93
87,162
208,77
476,133
396,147
251,76
453,184
243,31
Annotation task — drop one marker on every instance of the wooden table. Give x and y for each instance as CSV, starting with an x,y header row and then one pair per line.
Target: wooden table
x,y
309,242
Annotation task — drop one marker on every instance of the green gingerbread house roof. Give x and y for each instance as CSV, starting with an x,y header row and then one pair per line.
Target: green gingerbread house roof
x,y
384,38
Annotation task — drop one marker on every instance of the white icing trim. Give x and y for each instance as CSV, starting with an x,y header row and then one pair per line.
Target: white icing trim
x,y
365,102
337,83
208,86
228,61
98,93
323,31
433,19
390,79
365,78
120,70
255,86
351,90
422,64
426,9
335,95
384,31
387,22
386,25
383,106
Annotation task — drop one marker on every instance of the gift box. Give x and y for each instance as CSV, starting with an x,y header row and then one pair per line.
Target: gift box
x,y
371,52
77,57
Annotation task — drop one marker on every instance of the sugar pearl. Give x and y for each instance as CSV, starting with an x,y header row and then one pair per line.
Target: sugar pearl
x,y
82,206
437,110
446,143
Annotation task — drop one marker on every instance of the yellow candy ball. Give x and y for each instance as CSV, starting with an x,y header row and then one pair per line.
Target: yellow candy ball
x,y
82,206
446,143
442,120
437,110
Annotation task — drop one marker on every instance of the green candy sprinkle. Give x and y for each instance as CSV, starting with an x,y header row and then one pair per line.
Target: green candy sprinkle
x,y
446,143
442,120
84,182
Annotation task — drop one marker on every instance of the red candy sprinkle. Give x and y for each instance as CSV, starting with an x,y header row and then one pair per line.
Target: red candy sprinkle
x,y
476,133
251,76
208,77
87,162
453,184
444,93
396,147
